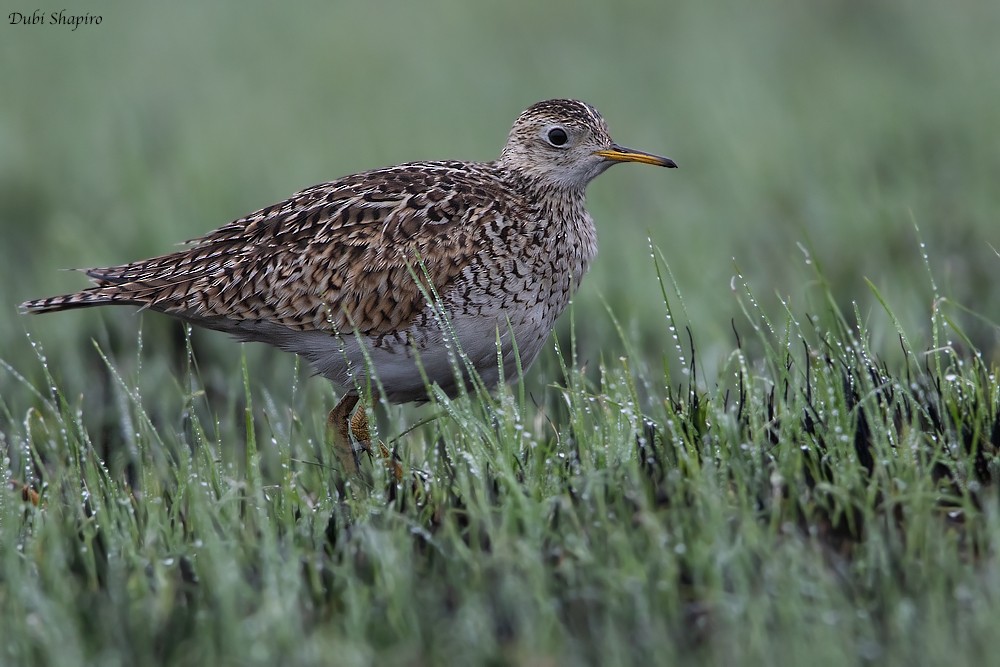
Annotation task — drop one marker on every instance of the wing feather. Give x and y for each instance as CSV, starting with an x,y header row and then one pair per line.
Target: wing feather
x,y
336,256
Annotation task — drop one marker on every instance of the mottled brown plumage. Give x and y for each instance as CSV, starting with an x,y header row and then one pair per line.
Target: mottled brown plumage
x,y
340,273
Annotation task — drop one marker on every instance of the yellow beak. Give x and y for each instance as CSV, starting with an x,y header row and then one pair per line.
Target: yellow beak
x,y
620,154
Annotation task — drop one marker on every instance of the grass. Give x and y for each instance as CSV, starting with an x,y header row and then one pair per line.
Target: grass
x,y
812,504
796,462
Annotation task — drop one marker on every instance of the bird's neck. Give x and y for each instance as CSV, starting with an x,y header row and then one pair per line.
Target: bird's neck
x,y
541,189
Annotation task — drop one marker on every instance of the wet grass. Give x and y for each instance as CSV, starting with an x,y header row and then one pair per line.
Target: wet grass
x,y
813,503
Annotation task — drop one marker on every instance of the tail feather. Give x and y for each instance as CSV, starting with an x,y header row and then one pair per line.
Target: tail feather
x,y
94,296
136,284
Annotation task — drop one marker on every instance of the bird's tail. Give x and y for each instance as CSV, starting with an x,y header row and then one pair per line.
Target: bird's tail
x,y
94,296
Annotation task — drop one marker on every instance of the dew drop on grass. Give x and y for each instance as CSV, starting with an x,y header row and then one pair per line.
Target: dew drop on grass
x,y
805,253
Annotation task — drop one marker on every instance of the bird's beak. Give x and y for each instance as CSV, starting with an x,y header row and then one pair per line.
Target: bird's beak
x,y
617,153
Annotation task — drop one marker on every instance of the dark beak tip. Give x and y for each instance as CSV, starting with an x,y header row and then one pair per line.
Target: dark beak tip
x,y
669,164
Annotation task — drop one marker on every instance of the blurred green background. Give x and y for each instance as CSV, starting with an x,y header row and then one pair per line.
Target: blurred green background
x,y
807,134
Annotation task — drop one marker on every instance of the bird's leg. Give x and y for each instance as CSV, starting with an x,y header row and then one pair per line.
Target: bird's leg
x,y
339,423
348,418
362,433
360,429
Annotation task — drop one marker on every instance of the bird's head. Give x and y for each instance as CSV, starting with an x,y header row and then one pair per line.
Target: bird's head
x,y
566,144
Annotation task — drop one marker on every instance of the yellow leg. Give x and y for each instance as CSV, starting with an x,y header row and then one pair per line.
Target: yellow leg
x,y
340,426
347,419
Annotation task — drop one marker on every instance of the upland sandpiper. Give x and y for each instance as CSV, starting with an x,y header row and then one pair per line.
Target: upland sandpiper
x,y
412,274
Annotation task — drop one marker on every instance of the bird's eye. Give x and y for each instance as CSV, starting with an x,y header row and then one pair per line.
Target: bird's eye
x,y
557,136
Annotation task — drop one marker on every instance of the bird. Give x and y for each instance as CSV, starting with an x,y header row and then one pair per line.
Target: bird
x,y
397,279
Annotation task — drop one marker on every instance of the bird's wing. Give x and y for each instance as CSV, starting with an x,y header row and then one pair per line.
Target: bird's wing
x,y
339,256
